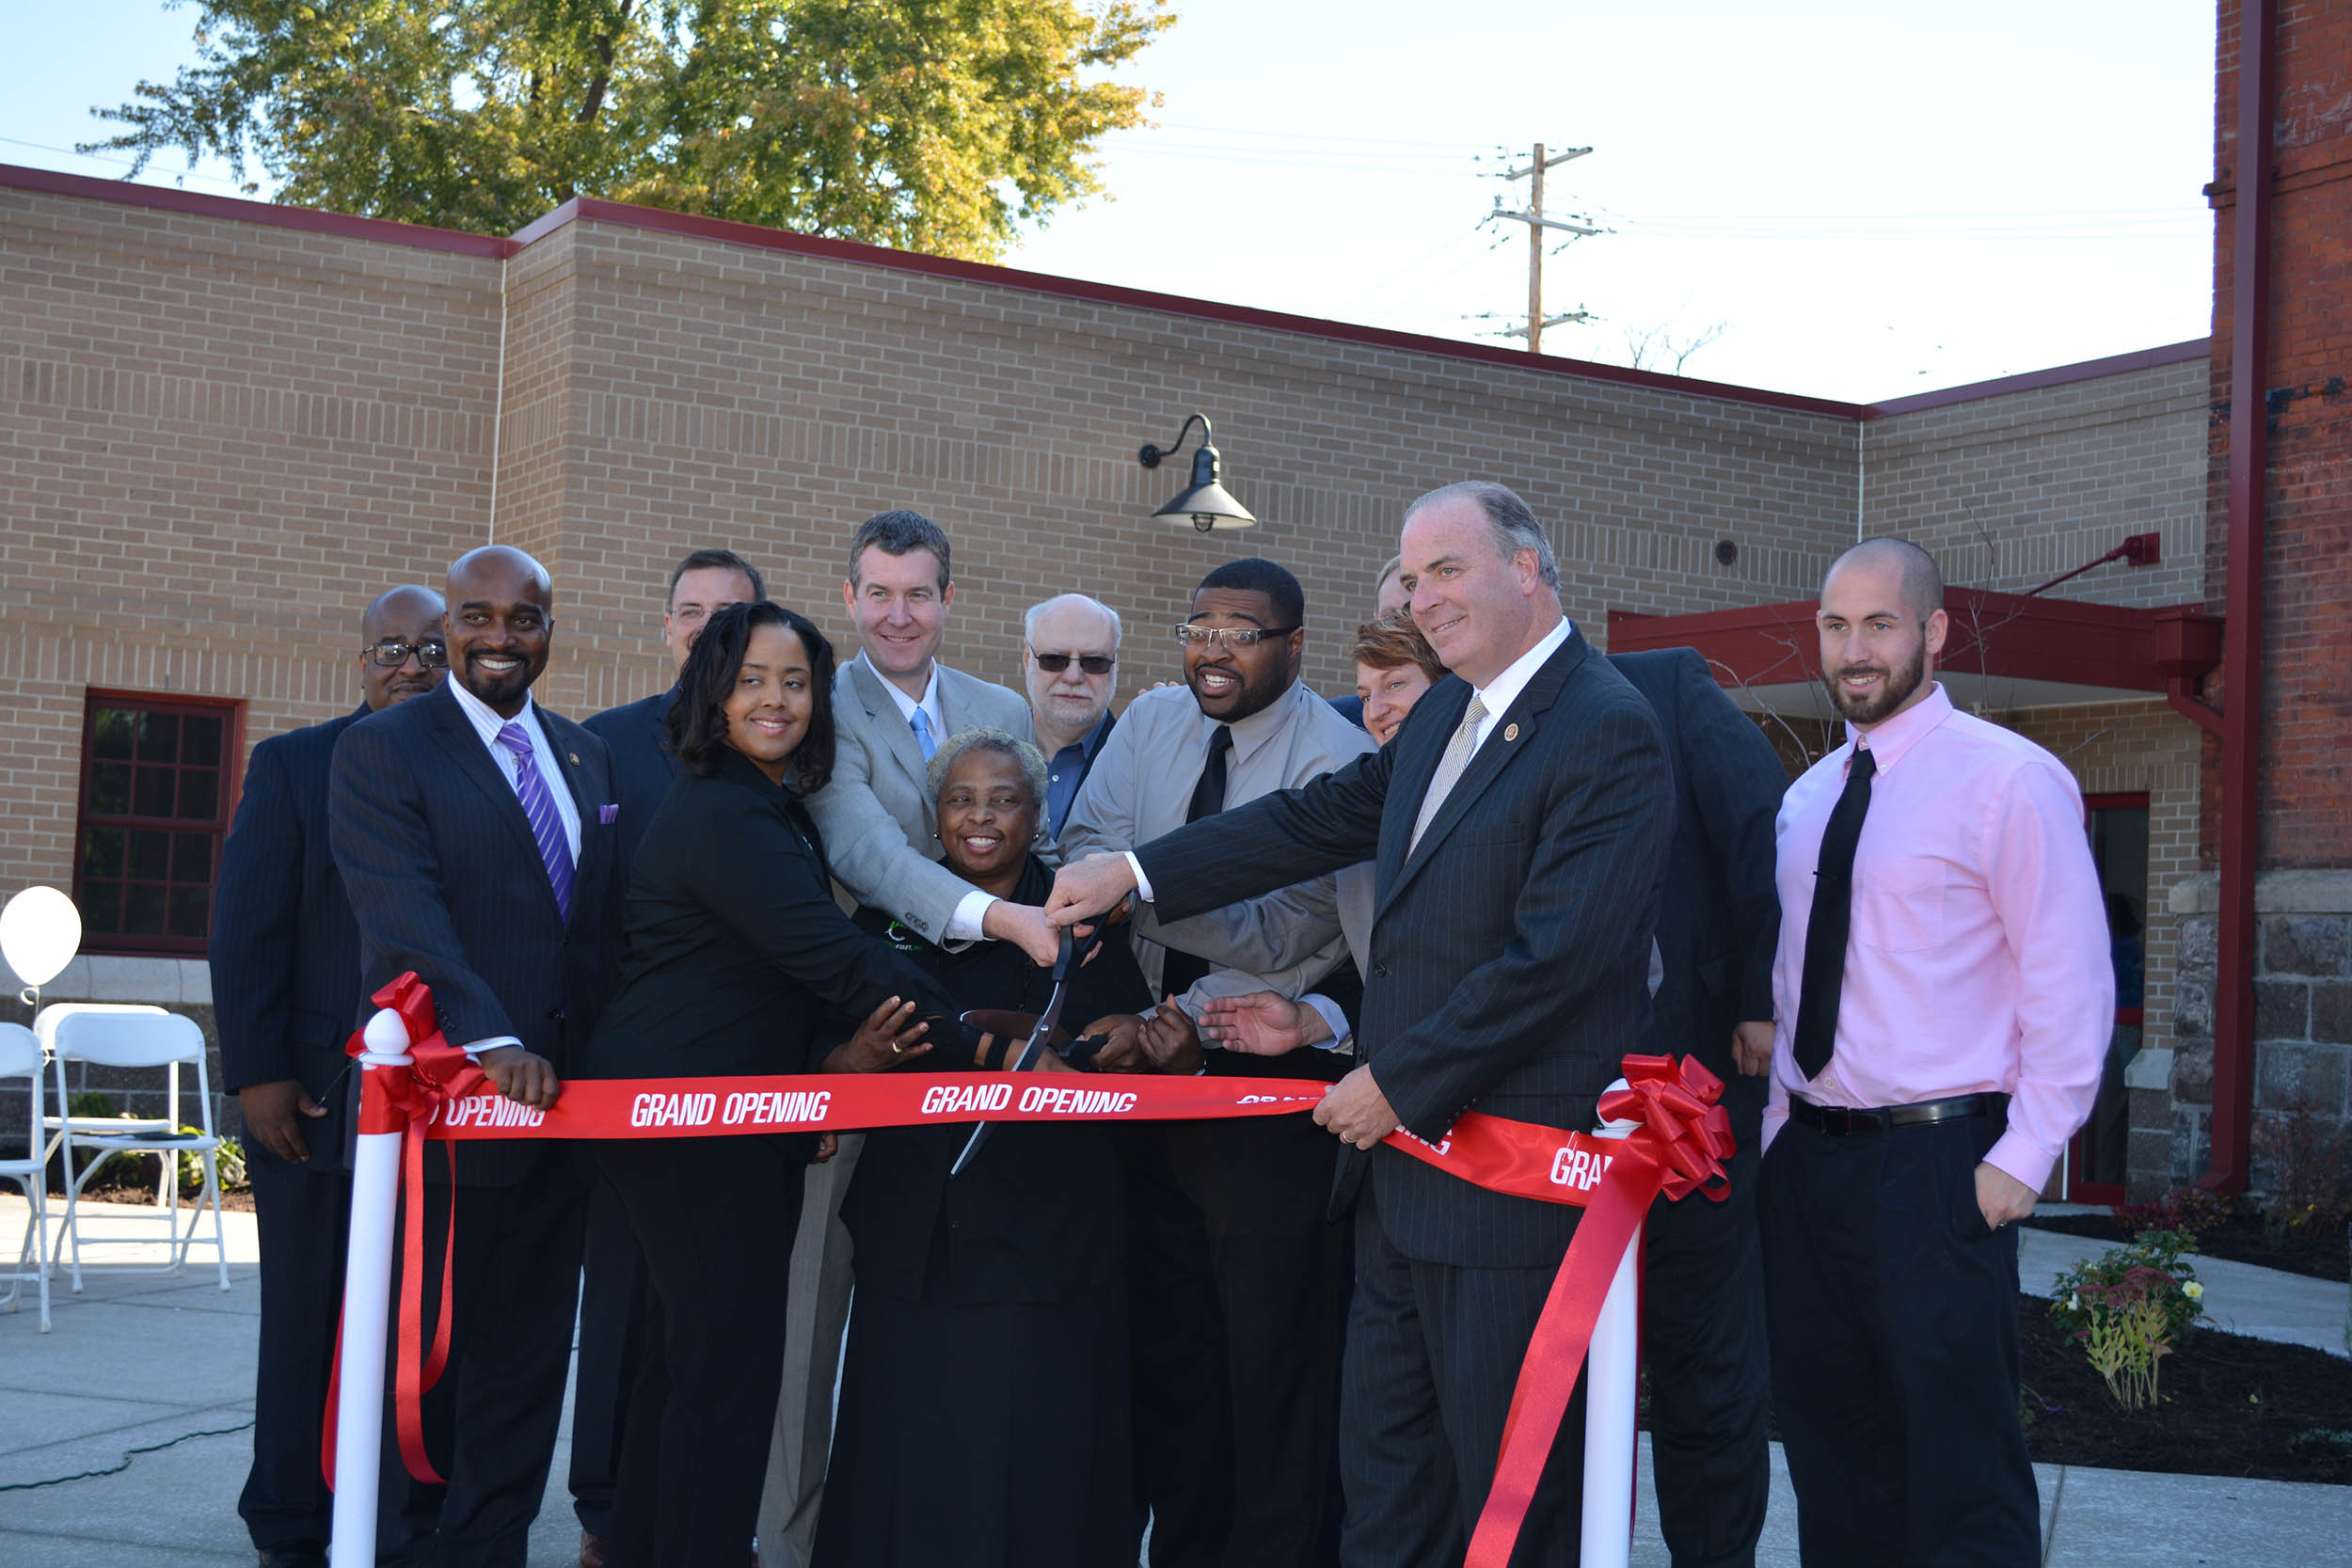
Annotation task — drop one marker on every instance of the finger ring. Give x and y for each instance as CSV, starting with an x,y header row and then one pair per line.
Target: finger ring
x,y
894,1047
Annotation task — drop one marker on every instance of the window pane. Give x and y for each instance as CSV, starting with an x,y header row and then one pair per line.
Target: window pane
x,y
143,913
159,738
110,733
102,852
191,909
151,856
155,793
192,858
110,788
101,907
202,737
199,794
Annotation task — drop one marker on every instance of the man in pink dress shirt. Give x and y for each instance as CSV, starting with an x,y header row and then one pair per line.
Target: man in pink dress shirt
x,y
1945,999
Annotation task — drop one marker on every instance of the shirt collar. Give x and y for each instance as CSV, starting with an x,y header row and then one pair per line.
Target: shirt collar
x,y
1092,742
1499,694
486,723
1264,725
929,701
1889,742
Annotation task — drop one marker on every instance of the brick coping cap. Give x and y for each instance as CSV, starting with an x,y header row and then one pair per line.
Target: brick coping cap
x,y
488,247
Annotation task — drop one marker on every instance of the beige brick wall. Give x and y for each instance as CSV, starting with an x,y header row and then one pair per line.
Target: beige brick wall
x,y
2009,491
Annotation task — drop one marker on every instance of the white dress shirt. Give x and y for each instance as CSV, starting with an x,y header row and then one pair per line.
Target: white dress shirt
x,y
972,908
486,724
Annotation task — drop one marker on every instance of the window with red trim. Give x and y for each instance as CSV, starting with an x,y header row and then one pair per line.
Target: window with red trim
x,y
156,794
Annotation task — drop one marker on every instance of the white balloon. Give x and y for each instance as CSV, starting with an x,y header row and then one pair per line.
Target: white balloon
x,y
41,930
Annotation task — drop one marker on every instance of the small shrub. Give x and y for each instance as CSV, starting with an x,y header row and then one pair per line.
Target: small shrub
x,y
2305,1149
2128,1307
90,1103
2190,1211
228,1161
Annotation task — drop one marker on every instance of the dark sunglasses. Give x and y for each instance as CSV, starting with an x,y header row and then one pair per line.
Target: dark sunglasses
x,y
1093,664
392,654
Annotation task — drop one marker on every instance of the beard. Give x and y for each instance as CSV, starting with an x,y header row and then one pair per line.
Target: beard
x,y
1892,693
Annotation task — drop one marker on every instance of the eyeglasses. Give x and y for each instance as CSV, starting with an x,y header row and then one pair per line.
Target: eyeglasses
x,y
392,654
1093,664
1232,637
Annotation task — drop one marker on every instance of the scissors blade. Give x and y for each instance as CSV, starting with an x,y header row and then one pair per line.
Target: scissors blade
x,y
1064,967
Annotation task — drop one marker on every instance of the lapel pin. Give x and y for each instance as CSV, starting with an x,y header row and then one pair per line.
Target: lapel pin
x,y
573,757
1511,732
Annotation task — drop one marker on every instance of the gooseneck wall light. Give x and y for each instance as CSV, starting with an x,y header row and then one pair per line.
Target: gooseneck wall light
x,y
1204,503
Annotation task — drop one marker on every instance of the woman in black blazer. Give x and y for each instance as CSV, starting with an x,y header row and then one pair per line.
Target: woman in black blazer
x,y
983,1420
738,956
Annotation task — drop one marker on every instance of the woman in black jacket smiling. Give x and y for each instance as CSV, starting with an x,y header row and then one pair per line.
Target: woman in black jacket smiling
x,y
737,957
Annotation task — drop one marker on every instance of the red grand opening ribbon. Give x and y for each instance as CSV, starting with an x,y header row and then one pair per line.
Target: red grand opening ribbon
x,y
1679,1147
410,1102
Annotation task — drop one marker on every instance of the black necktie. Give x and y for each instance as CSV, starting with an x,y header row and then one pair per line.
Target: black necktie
x,y
1207,798
1833,916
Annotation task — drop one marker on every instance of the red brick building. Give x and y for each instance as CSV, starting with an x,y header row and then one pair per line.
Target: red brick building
x,y
225,426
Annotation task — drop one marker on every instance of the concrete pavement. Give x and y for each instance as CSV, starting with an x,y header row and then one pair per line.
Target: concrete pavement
x,y
141,1359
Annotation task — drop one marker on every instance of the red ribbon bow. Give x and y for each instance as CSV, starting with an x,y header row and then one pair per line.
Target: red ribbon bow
x,y
407,1101
1679,1147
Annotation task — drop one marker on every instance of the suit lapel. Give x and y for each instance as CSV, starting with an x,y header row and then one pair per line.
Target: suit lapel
x,y
897,735
1509,735
455,733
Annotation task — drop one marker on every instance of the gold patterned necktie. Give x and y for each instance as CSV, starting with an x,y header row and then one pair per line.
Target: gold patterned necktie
x,y
1457,755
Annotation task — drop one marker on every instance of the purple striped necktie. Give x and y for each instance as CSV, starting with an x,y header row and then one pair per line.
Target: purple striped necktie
x,y
546,823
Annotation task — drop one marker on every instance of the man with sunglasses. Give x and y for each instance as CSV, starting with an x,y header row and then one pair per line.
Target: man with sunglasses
x,y
285,964
1069,663
1235,1279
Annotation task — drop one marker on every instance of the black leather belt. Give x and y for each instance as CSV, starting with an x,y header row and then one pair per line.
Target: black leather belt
x,y
1840,1122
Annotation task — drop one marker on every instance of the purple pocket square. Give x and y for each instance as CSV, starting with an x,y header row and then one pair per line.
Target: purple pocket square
x,y
608,815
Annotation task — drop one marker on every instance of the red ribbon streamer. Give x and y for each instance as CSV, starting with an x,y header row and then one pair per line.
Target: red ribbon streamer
x,y
1680,1145
409,1102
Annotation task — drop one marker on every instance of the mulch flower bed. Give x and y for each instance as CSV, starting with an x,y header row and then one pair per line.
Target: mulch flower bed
x,y
2316,1251
2232,1407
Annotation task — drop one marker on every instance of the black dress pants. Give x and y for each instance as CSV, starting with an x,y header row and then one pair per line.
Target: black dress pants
x,y
1703,1341
1234,1314
1893,1316
302,1217
612,1321
490,1422
1433,1354
715,1217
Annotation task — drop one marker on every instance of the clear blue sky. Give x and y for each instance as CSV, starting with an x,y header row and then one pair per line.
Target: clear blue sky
x,y
1873,199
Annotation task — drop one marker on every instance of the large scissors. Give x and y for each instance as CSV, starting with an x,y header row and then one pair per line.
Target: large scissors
x,y
1065,965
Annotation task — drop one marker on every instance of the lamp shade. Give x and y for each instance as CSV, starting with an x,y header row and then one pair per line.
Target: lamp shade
x,y
1205,503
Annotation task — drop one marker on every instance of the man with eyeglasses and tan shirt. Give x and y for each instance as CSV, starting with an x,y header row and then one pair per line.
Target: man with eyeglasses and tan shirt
x,y
1069,664
1235,1279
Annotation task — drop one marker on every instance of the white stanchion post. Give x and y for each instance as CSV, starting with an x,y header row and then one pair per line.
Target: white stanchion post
x,y
367,1312
1610,1376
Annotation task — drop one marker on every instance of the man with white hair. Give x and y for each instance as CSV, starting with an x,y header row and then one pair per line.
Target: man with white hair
x,y
1069,664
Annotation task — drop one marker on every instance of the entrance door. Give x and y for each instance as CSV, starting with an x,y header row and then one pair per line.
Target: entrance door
x,y
2096,1161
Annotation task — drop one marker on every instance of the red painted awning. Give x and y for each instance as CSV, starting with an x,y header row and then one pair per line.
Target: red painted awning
x,y
2005,650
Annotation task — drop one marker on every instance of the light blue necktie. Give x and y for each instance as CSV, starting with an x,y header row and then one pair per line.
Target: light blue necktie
x,y
546,826
922,724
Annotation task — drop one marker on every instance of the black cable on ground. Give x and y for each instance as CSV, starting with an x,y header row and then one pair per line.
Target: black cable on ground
x,y
128,1454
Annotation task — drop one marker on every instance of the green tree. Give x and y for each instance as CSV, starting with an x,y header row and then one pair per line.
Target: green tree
x,y
933,125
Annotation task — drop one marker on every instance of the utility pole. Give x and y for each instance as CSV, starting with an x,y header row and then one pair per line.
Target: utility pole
x,y
1536,223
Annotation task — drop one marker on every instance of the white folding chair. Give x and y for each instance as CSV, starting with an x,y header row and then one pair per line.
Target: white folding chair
x,y
45,1023
19,1057
134,1040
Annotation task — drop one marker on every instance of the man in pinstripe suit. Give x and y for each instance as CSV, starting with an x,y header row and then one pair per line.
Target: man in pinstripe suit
x,y
475,834
1519,825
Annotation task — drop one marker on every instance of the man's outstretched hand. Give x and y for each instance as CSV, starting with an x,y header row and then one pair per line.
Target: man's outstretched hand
x,y
1262,1024
521,1077
1084,889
